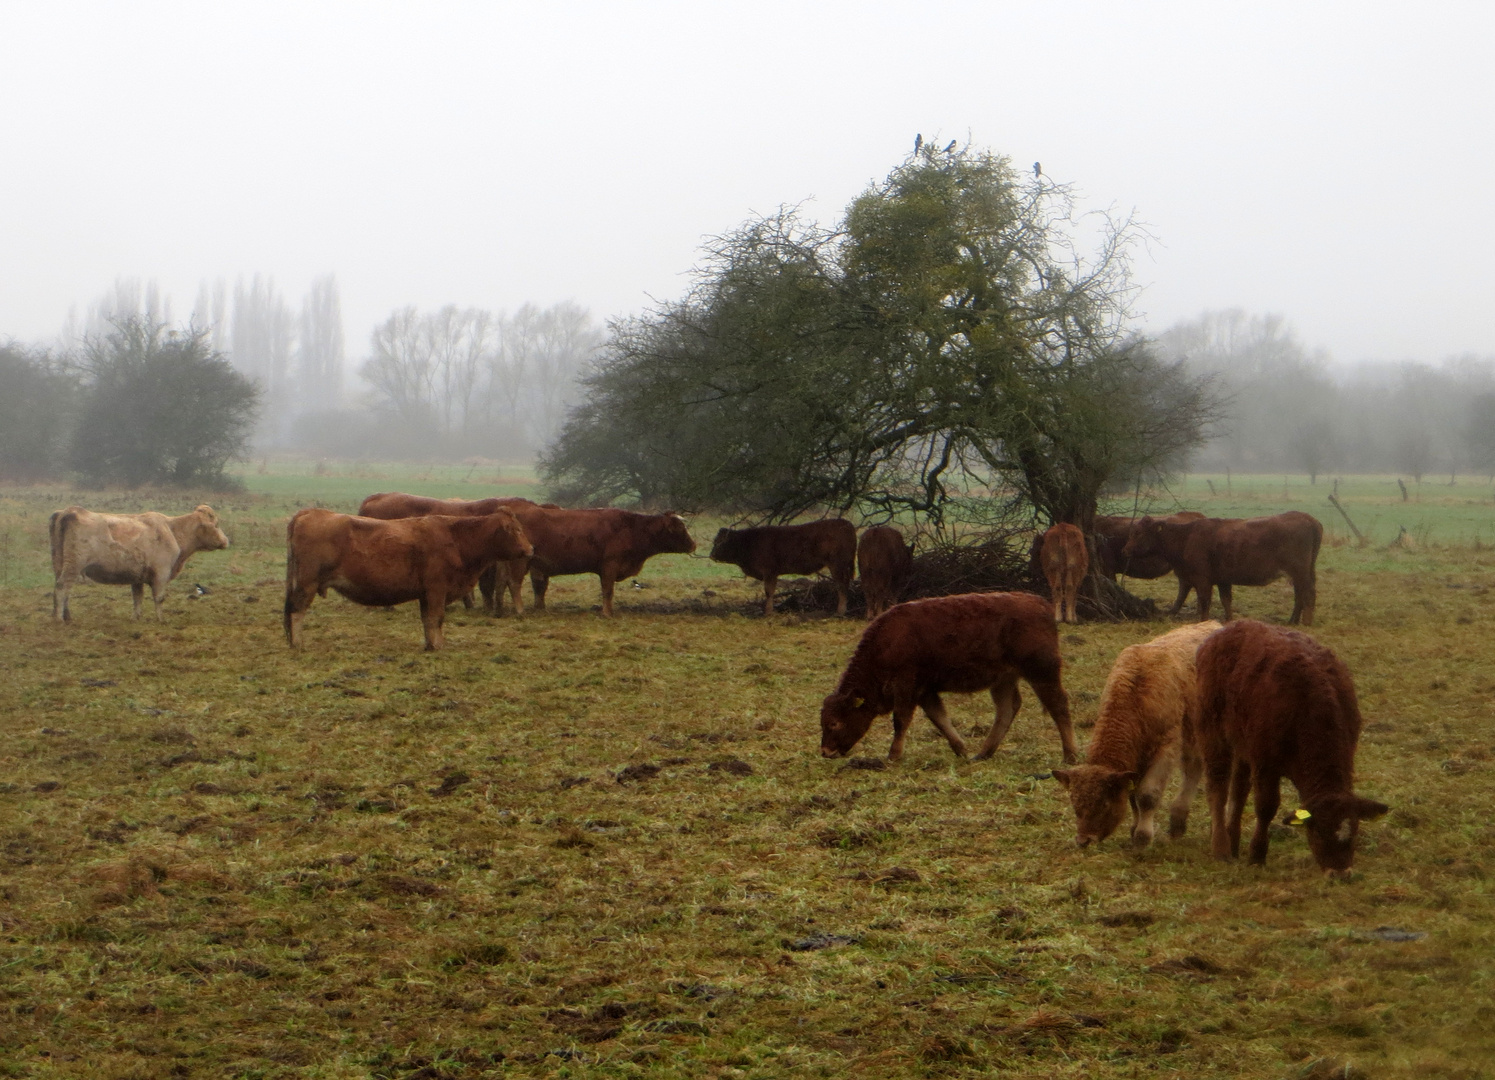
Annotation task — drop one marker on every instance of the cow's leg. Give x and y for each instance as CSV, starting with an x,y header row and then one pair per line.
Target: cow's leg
x,y
493,601
1148,797
1217,772
297,602
934,708
1226,600
467,600
1267,794
1178,601
137,594
539,581
1204,590
1240,787
1074,602
432,615
513,573
770,583
1178,813
903,717
158,594
842,597
607,593
1007,700
1055,701
1304,598
62,591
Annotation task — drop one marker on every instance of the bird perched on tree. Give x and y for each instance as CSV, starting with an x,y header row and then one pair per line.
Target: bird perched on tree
x,y
918,142
1037,169
951,148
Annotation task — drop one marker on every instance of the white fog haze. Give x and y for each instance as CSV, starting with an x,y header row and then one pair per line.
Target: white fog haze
x,y
282,163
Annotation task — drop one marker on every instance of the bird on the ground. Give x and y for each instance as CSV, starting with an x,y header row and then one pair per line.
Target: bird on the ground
x,y
199,590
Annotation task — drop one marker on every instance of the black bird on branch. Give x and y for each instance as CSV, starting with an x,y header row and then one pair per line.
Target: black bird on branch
x,y
1037,169
951,148
918,142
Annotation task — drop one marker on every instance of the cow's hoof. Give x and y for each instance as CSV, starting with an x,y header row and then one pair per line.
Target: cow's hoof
x,y
984,755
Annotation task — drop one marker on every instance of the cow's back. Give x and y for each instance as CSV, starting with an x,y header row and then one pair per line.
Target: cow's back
x,y
394,505
956,642
1255,551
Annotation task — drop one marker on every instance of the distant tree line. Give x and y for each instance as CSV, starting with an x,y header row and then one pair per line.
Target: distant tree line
x,y
1294,411
141,404
461,381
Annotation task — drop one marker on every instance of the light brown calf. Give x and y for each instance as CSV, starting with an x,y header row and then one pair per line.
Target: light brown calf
x,y
1146,727
1065,561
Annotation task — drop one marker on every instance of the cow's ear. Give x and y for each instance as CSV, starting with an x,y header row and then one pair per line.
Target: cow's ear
x,y
1062,775
207,511
1367,809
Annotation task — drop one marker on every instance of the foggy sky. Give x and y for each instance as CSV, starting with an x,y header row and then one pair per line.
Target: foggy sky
x,y
1329,162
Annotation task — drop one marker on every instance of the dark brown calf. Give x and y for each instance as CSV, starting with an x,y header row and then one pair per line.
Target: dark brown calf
x,y
769,551
613,544
1274,703
914,652
1224,552
885,563
1111,536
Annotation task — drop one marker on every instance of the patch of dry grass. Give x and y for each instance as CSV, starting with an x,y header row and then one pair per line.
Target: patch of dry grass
x,y
573,847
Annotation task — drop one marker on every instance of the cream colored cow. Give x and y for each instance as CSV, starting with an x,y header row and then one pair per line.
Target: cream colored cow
x,y
126,549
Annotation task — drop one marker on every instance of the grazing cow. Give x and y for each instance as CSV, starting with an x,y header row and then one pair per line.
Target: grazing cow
x,y
1111,536
1223,552
613,544
433,559
1145,728
394,505
885,563
126,549
1274,703
769,551
915,651
1065,561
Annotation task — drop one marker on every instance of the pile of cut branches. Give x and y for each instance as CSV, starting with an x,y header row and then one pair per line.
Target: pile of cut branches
x,y
998,563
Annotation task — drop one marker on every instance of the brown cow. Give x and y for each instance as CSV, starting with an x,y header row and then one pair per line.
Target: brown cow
x,y
1223,552
613,544
885,563
1111,536
1145,728
433,559
1275,703
915,651
769,551
126,549
1065,561
394,505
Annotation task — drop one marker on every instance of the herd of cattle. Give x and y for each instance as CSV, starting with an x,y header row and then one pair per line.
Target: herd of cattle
x,y
1241,706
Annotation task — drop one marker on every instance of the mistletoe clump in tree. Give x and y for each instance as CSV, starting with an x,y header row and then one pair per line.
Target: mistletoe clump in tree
x,y
948,338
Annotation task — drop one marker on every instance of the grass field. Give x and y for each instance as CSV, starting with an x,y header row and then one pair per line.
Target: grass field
x,y
575,847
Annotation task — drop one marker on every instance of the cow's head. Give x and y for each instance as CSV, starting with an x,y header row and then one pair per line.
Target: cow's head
x,y
512,536
1099,798
674,538
1144,539
721,547
206,535
844,719
1332,823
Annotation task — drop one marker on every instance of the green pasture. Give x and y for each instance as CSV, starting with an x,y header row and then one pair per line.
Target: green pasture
x,y
576,847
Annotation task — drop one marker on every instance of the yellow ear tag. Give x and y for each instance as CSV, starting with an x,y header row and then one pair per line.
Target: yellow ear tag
x,y
857,703
1300,816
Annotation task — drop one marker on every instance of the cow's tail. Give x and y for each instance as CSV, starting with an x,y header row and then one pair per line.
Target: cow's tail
x,y
290,573
57,529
